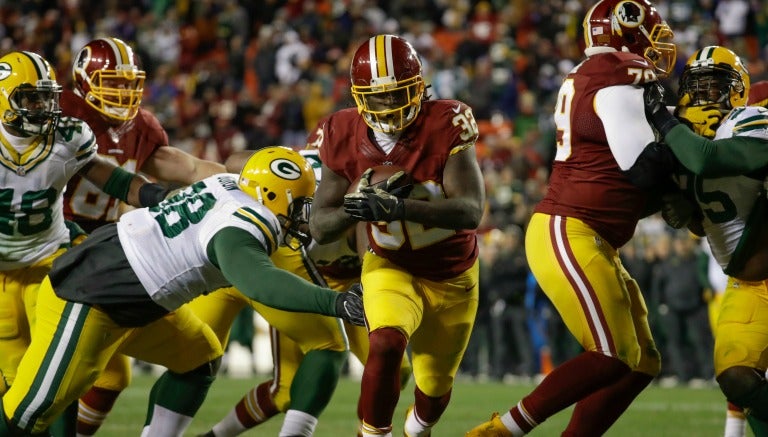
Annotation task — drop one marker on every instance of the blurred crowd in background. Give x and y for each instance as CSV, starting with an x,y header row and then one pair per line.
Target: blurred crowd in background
x,y
227,75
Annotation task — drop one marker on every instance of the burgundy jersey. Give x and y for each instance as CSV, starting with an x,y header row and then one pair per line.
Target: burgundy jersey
x,y
128,145
758,94
423,149
586,181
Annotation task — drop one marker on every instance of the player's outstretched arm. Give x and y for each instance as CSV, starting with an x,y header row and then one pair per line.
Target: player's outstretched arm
x,y
709,158
129,187
170,164
246,264
237,160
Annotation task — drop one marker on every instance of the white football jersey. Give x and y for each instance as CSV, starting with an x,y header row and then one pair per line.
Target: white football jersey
x,y
33,175
727,202
166,245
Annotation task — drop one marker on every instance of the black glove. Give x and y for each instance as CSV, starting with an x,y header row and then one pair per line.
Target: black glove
x,y
150,194
656,110
677,210
375,205
394,184
349,305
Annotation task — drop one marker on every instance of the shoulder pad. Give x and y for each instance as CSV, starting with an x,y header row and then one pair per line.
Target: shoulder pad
x,y
748,121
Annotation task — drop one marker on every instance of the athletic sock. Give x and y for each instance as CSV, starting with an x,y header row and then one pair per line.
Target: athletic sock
x,y
735,422
93,408
256,407
174,400
298,423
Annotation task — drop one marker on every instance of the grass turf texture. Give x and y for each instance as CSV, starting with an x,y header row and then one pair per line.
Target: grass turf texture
x,y
657,412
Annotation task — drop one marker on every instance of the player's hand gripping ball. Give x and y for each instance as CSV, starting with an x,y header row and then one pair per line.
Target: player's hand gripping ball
x,y
377,195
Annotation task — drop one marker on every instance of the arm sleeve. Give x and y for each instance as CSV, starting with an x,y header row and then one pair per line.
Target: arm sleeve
x,y
627,130
245,263
717,158
119,183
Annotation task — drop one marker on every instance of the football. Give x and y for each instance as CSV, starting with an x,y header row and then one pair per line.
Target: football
x,y
381,173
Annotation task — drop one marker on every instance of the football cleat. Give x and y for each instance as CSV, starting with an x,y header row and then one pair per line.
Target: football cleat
x,y
491,428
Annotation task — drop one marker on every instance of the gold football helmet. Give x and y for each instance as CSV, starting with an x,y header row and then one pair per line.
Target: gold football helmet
x,y
714,75
29,94
282,180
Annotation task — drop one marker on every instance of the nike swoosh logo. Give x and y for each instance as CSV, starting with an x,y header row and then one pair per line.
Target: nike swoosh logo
x,y
457,109
383,208
640,62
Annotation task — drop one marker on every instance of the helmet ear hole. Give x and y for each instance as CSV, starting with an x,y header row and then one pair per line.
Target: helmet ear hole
x,y
271,196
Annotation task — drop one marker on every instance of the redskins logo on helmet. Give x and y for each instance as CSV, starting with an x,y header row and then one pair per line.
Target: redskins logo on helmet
x,y
387,83
283,181
29,94
714,75
632,26
107,76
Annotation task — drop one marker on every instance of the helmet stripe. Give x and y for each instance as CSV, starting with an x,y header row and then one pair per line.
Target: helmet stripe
x,y
39,64
587,32
122,51
706,53
390,58
380,53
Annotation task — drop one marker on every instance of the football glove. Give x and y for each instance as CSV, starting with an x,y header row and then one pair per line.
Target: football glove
x,y
150,194
349,305
676,210
375,205
393,185
656,110
704,120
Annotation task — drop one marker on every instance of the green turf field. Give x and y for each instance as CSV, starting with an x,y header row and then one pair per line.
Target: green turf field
x,y
658,412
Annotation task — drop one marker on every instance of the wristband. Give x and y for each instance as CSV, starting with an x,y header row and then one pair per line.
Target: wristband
x,y
151,194
664,121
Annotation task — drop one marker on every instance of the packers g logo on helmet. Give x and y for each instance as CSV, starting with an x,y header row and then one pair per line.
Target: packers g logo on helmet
x,y
5,70
285,169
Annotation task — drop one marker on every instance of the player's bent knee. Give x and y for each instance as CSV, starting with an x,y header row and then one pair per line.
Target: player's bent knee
x,y
211,368
745,387
387,341
207,370
737,381
650,362
435,386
